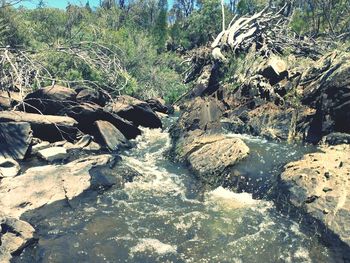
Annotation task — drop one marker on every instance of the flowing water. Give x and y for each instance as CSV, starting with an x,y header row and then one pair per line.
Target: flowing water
x,y
164,215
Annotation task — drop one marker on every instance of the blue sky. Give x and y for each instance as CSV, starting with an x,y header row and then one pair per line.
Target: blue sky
x,y
59,3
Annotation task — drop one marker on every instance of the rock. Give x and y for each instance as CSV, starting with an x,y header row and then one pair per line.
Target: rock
x,y
89,95
275,70
319,185
9,99
40,146
87,113
50,100
43,185
84,141
111,136
45,127
336,138
53,154
136,111
158,105
9,167
199,113
329,95
93,146
15,139
213,158
15,235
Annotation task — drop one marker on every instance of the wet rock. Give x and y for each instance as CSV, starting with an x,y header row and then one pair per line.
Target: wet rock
x,y
15,139
87,113
94,96
53,154
15,235
213,158
111,136
317,184
50,100
9,167
136,111
43,185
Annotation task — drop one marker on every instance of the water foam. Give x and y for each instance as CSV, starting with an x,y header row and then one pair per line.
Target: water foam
x,y
154,246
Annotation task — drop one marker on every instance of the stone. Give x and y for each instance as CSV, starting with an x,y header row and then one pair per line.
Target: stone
x,y
84,141
53,154
14,237
213,158
327,182
275,70
46,127
336,138
110,136
9,167
15,139
87,113
93,146
50,100
90,95
158,105
40,146
136,111
47,184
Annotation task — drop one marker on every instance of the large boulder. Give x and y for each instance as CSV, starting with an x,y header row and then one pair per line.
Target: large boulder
x,y
90,95
275,69
15,139
88,113
136,111
45,127
110,136
319,184
326,88
50,100
158,105
213,158
43,185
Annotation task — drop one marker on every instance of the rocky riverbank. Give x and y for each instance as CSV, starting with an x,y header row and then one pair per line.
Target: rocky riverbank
x,y
281,102
59,143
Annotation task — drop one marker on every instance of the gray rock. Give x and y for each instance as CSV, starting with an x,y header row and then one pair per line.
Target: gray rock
x,y
8,167
43,185
15,138
111,136
40,146
53,154
15,236
319,184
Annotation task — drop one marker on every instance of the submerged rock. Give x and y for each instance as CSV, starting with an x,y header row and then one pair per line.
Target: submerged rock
x,y
15,139
320,184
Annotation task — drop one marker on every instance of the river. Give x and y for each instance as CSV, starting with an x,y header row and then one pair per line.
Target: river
x,y
166,215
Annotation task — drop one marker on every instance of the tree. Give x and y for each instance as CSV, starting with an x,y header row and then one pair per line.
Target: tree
x,y
160,30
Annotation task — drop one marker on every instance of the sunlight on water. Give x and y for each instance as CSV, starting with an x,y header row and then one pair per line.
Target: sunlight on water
x,y
156,218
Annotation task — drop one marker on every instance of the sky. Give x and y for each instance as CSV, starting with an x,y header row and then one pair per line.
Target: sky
x,y
59,3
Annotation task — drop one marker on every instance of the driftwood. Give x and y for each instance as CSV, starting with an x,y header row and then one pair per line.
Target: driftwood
x,y
38,119
266,30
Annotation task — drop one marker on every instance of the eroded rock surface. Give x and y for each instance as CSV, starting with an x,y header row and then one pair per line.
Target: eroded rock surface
x,y
320,184
43,185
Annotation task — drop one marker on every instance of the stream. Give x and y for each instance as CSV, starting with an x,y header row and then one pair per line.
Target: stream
x,y
166,215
